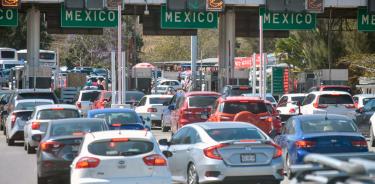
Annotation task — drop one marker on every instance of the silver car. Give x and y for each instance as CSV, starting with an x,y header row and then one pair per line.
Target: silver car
x,y
39,120
14,125
223,152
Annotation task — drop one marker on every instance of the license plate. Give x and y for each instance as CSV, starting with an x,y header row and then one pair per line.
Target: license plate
x,y
248,158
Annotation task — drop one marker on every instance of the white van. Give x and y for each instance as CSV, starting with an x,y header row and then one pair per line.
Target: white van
x,y
8,58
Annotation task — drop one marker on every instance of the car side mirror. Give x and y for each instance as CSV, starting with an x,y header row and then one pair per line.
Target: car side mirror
x,y
167,154
164,142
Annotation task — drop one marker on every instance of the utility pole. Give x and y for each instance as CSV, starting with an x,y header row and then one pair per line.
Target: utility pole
x,y
194,50
119,49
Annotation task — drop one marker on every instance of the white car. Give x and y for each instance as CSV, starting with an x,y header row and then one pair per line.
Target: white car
x,y
86,100
360,100
288,105
153,104
329,102
170,83
126,156
38,123
14,124
269,98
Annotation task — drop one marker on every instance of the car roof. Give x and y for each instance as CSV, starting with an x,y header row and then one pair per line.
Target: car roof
x,y
329,92
111,110
158,96
86,91
237,86
339,86
34,90
320,117
65,106
295,94
202,93
240,98
34,100
222,125
143,134
75,120
364,95
257,95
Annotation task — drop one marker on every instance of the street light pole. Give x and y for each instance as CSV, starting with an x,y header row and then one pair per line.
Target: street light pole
x,y
119,49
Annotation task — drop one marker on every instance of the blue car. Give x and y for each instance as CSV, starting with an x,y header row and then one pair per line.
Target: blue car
x,y
324,134
119,118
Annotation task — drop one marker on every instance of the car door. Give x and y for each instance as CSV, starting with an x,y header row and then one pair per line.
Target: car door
x,y
141,106
175,114
282,105
307,107
177,147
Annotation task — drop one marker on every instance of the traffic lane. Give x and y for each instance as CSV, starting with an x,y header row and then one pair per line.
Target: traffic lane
x,y
16,166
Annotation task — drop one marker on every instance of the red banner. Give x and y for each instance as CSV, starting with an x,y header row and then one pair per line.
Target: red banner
x,y
246,62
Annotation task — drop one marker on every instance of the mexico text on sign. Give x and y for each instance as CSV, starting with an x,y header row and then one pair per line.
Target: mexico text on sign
x,y
88,18
187,19
8,17
366,21
287,20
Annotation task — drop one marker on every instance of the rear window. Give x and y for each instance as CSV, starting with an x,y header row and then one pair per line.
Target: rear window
x,y
48,56
90,96
338,89
8,54
331,125
134,96
62,129
24,115
298,99
202,101
30,105
57,114
118,118
240,91
161,100
234,134
236,107
120,148
335,99
366,100
49,96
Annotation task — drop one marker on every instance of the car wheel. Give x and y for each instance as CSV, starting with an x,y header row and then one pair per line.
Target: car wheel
x,y
1,126
10,142
42,180
192,175
30,149
24,145
372,137
5,131
287,167
163,127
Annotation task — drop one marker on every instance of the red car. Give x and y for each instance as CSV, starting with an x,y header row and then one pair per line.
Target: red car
x,y
191,107
104,99
246,109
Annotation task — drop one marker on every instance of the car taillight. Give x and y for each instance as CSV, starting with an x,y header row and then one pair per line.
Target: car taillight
x,y
50,146
305,144
79,105
350,106
13,119
155,160
361,143
35,125
212,152
87,162
320,106
292,110
278,150
152,110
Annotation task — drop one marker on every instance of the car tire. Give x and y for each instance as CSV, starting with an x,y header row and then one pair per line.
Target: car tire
x,y
30,149
42,180
289,174
192,175
24,145
5,131
1,127
10,142
372,137
163,127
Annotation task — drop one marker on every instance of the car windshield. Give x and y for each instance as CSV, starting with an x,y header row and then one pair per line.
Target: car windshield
x,y
240,91
366,100
57,114
90,96
202,101
228,134
36,95
335,99
120,147
271,99
134,96
236,107
298,99
121,118
330,125
76,128
30,105
160,100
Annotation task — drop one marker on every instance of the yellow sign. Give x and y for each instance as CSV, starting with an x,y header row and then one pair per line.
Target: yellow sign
x,y
10,3
215,5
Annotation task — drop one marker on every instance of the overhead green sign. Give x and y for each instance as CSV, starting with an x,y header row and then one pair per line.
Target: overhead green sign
x,y
9,17
365,21
287,20
187,19
88,18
